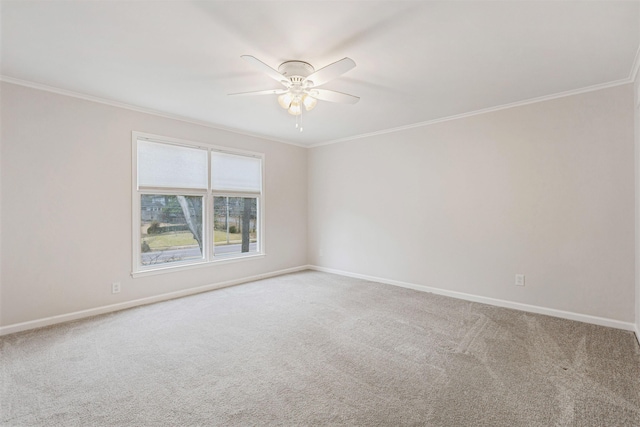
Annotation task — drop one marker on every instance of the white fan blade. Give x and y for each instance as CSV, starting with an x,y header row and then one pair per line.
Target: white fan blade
x,y
262,92
333,96
266,69
331,71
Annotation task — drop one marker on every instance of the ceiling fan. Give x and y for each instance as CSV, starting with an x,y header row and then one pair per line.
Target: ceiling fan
x,y
301,81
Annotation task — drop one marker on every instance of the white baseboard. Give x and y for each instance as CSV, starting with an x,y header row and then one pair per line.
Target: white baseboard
x,y
602,321
47,321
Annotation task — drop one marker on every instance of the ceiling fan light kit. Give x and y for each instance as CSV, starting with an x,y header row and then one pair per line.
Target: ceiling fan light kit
x,y
300,80
309,102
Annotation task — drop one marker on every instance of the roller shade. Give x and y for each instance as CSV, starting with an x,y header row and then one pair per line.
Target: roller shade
x,y
171,166
230,172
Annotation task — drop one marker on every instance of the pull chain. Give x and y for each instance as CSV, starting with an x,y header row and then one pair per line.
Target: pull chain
x,y
299,122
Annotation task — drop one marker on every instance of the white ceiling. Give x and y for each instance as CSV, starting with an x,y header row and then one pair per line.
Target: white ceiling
x,y
416,61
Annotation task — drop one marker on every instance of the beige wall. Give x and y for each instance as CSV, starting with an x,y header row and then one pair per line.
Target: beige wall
x,y
545,189
637,183
66,205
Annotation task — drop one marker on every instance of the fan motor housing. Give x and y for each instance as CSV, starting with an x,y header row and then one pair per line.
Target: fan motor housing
x,y
295,68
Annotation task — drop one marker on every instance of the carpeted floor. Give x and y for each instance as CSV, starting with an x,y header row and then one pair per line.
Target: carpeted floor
x,y
313,348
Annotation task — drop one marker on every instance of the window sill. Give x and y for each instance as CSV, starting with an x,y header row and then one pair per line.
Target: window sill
x,y
182,267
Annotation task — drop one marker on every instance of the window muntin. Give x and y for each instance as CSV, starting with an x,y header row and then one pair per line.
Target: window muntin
x,y
170,173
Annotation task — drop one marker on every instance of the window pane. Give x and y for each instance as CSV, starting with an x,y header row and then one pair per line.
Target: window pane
x,y
170,228
235,226
235,173
164,165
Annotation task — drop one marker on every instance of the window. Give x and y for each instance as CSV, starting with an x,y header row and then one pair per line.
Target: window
x,y
194,204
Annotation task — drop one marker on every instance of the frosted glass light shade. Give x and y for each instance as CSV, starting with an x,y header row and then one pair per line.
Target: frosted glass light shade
x,y
285,100
295,109
230,172
309,102
165,165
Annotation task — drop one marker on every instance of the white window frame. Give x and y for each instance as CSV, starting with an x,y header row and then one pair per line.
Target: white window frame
x,y
208,195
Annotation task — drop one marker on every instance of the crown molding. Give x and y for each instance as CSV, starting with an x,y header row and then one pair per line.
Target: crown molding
x,y
481,111
46,88
112,103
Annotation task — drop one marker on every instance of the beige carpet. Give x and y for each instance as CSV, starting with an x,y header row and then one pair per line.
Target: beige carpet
x,y
318,349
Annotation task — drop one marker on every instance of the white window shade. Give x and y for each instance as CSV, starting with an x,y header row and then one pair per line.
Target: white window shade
x,y
164,165
231,172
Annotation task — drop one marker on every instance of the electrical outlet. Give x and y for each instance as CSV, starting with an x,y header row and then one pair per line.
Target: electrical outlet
x,y
115,287
321,252
519,279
